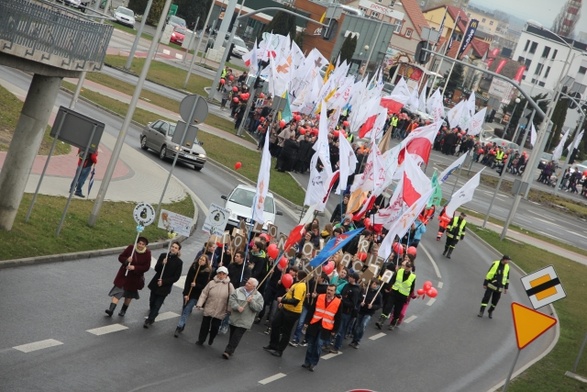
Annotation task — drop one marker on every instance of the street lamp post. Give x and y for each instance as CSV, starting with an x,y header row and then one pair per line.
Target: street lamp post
x,y
366,49
542,136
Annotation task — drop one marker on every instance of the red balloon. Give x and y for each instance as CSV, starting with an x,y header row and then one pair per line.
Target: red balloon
x,y
235,89
237,165
398,248
262,119
302,131
298,118
259,127
336,133
231,77
427,285
282,124
235,100
287,280
345,123
328,267
420,291
246,96
367,223
315,131
264,236
412,250
272,251
362,256
261,95
283,262
432,292
222,81
585,173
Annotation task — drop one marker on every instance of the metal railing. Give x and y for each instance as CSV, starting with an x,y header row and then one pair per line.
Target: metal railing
x,y
41,32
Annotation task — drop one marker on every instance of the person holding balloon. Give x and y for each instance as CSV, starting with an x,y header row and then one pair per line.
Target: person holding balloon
x,y
403,284
289,308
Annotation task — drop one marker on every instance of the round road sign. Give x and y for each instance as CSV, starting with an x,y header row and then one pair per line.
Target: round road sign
x,y
144,214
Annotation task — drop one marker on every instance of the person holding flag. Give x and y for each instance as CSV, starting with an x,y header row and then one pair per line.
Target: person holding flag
x,y
403,284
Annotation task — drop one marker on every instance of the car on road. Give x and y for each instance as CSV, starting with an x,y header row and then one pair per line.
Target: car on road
x,y
177,21
240,48
582,166
157,136
504,143
240,204
544,159
124,16
79,4
178,35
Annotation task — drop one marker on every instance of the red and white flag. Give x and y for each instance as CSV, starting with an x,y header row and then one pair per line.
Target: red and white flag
x,y
419,142
416,183
296,234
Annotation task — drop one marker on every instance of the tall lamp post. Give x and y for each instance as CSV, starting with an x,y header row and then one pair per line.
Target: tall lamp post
x,y
542,134
366,49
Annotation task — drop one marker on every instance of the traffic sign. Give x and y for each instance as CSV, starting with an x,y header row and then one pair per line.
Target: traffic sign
x,y
193,105
529,324
144,214
543,287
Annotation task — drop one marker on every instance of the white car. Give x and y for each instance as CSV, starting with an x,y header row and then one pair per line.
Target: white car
x,y
177,21
240,48
240,204
124,16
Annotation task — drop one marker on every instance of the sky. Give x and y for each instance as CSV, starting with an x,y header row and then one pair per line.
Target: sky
x,y
543,11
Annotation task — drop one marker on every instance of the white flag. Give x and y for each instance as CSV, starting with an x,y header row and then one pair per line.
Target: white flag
x,y
476,124
577,141
533,134
262,184
464,194
558,151
449,170
347,162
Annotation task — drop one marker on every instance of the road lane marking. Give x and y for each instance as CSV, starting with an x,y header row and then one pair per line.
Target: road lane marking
x,y
440,285
40,345
434,265
275,377
181,282
431,301
166,316
580,235
107,329
377,336
410,319
331,355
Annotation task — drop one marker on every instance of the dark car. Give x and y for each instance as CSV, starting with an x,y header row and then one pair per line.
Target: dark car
x,y
157,136
544,159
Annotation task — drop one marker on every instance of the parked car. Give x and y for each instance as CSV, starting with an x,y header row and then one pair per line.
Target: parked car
x,y
504,143
178,35
240,203
240,48
79,4
124,16
582,167
544,159
157,136
174,20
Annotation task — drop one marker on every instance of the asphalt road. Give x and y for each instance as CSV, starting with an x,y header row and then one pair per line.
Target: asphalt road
x,y
59,338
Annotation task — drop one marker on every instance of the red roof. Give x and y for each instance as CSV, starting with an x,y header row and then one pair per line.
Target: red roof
x,y
453,12
415,14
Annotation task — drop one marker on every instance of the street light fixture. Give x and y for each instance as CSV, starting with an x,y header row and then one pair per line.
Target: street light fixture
x,y
542,133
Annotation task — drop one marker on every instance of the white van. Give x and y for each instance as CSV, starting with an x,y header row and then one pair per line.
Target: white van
x,y
240,204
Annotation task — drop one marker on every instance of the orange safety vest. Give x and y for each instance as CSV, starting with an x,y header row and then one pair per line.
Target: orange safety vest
x,y
326,314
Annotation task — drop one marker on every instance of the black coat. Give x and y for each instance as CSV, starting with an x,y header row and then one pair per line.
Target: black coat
x,y
201,281
171,274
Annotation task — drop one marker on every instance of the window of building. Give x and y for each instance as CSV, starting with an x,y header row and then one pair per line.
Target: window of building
x,y
546,52
526,46
483,20
554,54
521,59
541,84
538,69
375,14
547,72
398,27
527,63
408,33
582,70
490,23
533,47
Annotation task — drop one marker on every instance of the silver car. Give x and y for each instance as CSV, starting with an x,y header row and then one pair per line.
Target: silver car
x,y
157,136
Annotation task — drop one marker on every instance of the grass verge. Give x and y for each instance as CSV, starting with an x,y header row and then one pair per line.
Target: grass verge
x,y
115,227
548,374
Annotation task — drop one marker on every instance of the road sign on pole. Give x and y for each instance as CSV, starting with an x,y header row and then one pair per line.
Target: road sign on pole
x,y
543,287
529,324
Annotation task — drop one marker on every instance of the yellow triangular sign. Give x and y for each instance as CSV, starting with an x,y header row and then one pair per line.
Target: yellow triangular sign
x,y
529,324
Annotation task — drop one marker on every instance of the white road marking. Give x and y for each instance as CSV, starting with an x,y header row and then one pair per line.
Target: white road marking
x,y
181,282
275,377
431,301
440,285
107,329
166,51
179,56
377,336
331,355
40,345
580,235
434,265
410,319
166,316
